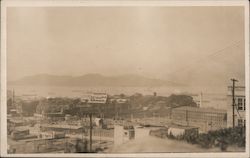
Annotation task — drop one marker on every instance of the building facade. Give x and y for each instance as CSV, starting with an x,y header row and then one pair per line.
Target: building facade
x,y
95,98
206,119
239,107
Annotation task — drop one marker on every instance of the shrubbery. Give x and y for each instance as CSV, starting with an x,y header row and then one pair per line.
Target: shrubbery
x,y
219,138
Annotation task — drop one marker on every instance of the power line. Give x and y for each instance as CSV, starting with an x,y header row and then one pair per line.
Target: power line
x,y
212,55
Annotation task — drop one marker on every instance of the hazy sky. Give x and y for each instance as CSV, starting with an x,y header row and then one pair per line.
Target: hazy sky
x,y
173,43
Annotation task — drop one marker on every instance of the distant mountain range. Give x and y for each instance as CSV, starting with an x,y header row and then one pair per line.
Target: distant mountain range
x,y
91,80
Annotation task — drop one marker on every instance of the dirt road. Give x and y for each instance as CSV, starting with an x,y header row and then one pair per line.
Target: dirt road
x,y
153,144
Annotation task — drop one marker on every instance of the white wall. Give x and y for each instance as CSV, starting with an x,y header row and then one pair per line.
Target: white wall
x,y
118,135
141,132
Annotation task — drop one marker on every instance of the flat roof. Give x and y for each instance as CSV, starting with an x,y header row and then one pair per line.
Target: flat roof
x,y
61,126
16,121
21,128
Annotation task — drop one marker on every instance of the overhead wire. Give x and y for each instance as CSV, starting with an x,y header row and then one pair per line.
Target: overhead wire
x,y
212,55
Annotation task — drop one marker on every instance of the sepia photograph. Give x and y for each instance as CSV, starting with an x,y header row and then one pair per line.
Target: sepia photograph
x,y
124,78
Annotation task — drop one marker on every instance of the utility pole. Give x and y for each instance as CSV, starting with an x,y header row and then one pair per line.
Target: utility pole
x,y
187,117
90,132
154,117
13,97
144,121
82,128
233,99
170,113
89,113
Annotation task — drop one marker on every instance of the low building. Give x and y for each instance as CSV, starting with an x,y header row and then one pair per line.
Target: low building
x,y
95,98
239,107
21,133
60,116
119,100
15,122
68,129
51,135
55,116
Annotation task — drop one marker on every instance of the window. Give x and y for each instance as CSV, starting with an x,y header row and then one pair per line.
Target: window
x,y
240,122
244,104
240,104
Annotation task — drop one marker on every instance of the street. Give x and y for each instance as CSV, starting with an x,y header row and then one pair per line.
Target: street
x,y
153,144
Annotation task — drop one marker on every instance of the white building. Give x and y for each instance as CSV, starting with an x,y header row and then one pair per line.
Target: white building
x,y
239,108
95,98
123,134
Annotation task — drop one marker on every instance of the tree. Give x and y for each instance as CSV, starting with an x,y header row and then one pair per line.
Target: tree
x,y
122,95
180,100
29,108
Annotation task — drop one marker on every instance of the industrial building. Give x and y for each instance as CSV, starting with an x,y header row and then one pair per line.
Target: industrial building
x,y
205,118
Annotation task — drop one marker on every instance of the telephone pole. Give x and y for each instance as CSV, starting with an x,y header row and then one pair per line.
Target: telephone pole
x,y
233,99
13,97
89,112
187,117
90,132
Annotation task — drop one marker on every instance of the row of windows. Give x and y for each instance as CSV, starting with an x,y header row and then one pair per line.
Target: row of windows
x,y
241,122
182,114
201,118
241,104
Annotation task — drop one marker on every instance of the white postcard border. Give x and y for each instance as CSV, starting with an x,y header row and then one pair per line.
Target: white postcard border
x,y
104,3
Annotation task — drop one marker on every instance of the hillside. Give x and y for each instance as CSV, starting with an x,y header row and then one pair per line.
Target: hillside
x,y
91,80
